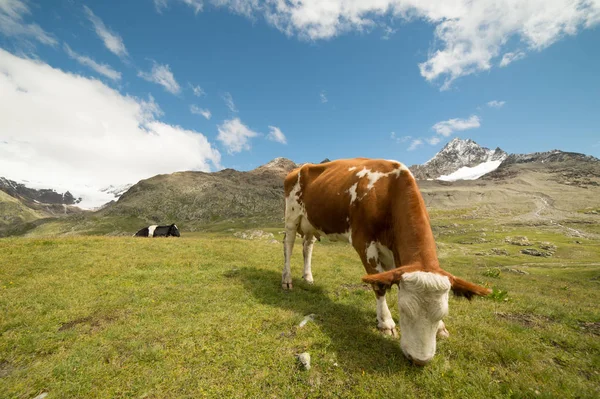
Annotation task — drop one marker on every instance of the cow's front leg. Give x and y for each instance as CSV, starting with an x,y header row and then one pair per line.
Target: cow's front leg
x,y
307,248
288,246
385,323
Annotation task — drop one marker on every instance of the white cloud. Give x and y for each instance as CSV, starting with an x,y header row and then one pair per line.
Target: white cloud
x,y
102,69
198,91
496,104
85,135
112,41
446,128
275,134
388,32
323,96
433,140
399,139
469,35
415,144
162,75
235,136
229,102
12,24
196,5
511,57
194,109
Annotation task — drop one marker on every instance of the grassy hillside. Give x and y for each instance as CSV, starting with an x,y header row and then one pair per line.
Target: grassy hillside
x,y
204,316
13,212
195,199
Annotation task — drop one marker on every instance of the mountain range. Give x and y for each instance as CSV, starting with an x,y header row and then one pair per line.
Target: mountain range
x,y
462,175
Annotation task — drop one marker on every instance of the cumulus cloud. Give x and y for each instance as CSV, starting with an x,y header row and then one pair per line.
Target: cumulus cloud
x,y
235,136
112,41
194,109
415,144
496,104
162,75
275,134
446,128
229,102
86,135
469,35
12,13
102,69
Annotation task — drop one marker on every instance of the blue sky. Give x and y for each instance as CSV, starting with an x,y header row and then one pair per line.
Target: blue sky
x,y
395,80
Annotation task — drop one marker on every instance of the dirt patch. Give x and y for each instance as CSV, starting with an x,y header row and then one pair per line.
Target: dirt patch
x,y
95,322
356,287
592,327
525,319
5,369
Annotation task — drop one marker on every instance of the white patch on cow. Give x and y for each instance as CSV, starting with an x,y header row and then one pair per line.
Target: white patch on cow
x,y
347,236
422,302
386,256
293,208
351,168
362,173
151,230
373,254
375,176
352,191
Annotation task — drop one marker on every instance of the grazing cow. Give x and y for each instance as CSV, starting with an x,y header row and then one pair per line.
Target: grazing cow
x,y
376,205
158,231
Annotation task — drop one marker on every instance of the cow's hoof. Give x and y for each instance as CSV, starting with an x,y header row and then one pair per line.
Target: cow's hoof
x,y
309,279
442,332
286,286
392,332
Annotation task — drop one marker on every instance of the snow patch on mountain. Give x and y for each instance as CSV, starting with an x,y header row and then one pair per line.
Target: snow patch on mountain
x,y
471,173
455,155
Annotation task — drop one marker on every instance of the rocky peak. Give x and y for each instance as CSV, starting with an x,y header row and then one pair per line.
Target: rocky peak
x,y
279,166
456,154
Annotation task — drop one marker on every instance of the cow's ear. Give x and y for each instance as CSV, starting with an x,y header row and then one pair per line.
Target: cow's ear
x,y
386,278
464,288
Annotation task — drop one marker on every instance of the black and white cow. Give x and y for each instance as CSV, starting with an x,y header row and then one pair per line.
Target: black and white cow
x,y
158,231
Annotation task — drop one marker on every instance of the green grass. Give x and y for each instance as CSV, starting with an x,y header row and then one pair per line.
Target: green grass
x,y
204,316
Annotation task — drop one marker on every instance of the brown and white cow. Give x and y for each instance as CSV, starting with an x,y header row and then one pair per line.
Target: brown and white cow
x,y
377,206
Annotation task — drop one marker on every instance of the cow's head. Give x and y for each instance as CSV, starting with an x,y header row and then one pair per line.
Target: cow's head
x,y
423,303
174,231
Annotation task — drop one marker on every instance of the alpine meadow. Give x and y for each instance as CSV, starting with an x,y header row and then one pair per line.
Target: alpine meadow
x,y
299,199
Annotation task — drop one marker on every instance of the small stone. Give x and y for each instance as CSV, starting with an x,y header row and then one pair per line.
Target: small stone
x,y
304,359
310,317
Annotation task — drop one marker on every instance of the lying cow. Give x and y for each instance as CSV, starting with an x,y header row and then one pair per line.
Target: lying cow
x,y
158,231
377,206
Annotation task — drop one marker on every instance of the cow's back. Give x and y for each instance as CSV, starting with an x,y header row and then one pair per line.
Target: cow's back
x,y
338,193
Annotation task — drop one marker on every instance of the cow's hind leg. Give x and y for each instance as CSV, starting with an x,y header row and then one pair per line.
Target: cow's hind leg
x,y
307,248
